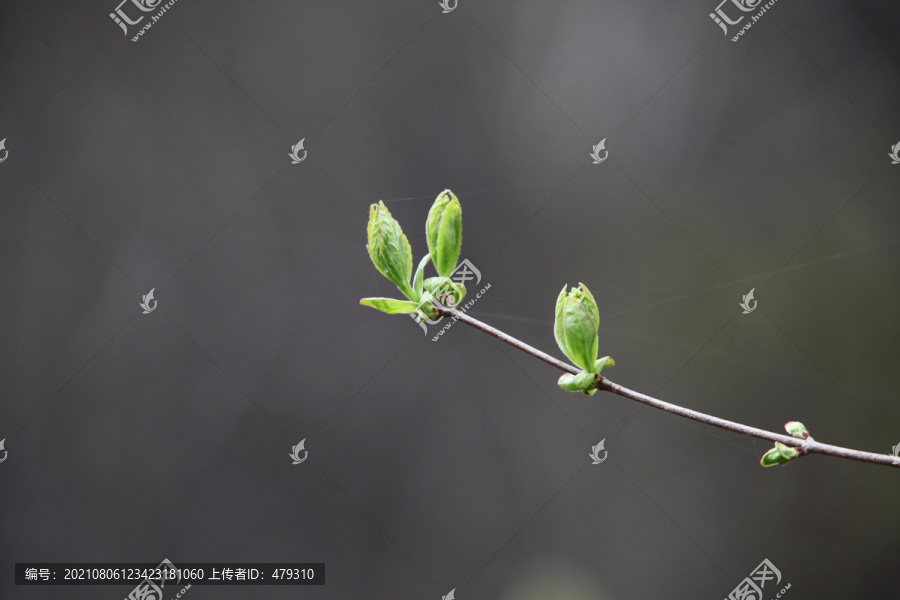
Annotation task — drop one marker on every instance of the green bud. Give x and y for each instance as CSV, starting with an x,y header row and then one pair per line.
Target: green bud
x,y
443,229
787,451
389,249
779,455
772,458
575,329
796,429
577,383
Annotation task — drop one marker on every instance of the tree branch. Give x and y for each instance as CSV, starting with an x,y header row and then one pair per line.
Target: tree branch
x,y
807,446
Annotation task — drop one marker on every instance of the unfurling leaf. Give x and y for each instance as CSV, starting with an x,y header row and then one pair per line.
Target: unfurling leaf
x,y
606,361
418,282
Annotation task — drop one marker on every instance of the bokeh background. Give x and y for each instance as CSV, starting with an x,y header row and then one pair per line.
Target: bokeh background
x,y
458,464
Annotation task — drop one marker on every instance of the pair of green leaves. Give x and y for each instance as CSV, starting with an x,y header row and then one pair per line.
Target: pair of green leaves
x,y
391,254
782,454
575,328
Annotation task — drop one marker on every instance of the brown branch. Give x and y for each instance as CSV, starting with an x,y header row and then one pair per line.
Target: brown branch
x,y
807,446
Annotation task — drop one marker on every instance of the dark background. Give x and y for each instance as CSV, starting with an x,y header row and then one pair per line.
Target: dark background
x,y
457,464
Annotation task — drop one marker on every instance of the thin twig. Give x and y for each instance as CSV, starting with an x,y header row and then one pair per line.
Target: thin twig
x,y
807,446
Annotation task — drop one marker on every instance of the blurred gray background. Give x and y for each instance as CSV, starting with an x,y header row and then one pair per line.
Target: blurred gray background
x,y
456,464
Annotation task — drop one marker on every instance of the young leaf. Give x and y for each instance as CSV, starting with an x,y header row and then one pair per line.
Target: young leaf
x,y
390,305
389,249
